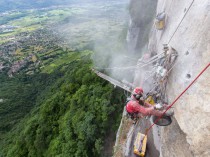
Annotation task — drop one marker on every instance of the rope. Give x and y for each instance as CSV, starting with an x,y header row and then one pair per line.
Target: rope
x,y
129,67
152,60
136,124
180,22
131,58
147,130
131,134
152,73
120,68
126,93
166,75
175,33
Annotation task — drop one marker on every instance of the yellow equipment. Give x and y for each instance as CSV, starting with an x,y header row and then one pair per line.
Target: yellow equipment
x,y
150,100
159,24
160,21
140,145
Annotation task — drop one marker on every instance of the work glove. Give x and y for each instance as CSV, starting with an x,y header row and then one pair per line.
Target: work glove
x,y
142,99
158,106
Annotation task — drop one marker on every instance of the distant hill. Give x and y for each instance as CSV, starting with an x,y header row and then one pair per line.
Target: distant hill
x,y
8,5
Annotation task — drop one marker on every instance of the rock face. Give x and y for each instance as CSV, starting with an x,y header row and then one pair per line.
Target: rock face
x,y
187,31
191,40
173,142
141,15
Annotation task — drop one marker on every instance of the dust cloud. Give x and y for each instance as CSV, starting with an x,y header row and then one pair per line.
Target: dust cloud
x,y
118,54
117,32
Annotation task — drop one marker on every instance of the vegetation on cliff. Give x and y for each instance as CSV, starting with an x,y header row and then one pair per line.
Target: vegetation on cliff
x,y
51,103
71,112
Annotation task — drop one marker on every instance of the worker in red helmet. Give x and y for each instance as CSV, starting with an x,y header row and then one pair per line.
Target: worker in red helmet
x,y
136,106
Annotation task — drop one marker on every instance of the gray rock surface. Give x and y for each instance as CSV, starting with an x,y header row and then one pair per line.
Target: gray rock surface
x,y
141,13
187,31
172,138
192,41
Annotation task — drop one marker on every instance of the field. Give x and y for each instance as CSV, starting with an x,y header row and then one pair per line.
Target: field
x,y
74,28
49,97
30,20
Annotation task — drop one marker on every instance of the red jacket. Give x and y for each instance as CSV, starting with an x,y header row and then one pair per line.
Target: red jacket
x,y
134,107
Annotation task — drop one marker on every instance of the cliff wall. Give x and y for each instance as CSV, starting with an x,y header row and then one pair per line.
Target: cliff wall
x,y
192,42
187,31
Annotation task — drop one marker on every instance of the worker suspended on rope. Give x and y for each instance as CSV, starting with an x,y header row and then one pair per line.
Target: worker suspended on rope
x,y
137,107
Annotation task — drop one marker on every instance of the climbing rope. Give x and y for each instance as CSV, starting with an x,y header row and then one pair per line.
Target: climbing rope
x,y
152,60
128,136
171,39
180,22
147,130
126,93
116,68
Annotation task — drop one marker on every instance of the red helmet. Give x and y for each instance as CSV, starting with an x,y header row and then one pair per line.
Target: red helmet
x,y
137,93
138,90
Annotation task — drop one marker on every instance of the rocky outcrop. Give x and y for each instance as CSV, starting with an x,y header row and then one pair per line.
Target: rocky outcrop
x,y
141,17
187,31
173,142
191,40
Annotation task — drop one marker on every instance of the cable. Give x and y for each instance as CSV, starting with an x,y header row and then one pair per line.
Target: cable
x,y
130,58
148,77
126,93
180,22
152,60
130,67
147,130
175,33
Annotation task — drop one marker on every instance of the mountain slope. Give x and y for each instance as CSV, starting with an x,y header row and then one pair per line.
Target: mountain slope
x,y
71,118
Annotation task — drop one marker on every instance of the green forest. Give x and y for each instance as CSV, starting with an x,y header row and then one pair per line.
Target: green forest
x,y
51,103
65,113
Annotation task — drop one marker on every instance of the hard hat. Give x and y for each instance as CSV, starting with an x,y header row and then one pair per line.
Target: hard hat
x,y
137,93
138,90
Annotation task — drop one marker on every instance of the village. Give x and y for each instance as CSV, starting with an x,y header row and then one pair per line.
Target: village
x,y
22,53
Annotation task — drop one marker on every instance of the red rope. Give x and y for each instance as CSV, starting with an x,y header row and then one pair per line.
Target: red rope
x,y
147,130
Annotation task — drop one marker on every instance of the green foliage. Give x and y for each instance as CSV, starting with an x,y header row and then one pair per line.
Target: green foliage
x,y
13,16
19,95
72,115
